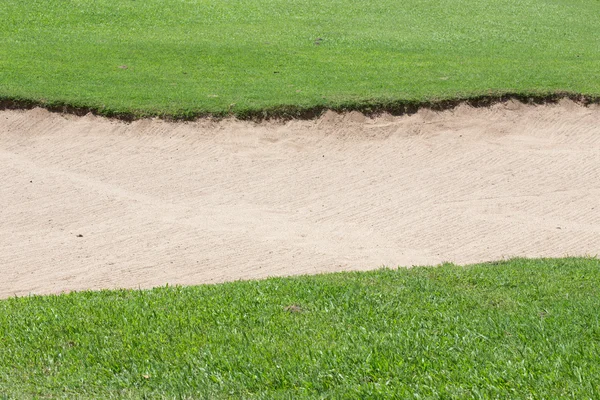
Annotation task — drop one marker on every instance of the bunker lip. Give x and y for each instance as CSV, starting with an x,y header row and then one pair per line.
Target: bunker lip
x,y
95,203
289,112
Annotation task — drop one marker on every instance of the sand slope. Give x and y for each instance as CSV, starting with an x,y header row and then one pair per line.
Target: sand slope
x,y
89,203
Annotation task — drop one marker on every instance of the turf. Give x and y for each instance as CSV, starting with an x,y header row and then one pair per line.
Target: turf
x,y
186,58
517,329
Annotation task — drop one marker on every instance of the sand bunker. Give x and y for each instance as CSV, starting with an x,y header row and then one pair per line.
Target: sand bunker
x,y
90,203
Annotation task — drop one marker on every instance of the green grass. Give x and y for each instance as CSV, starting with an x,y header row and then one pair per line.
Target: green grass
x,y
193,57
517,329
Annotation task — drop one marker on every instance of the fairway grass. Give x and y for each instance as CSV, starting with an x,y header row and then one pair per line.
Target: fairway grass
x,y
285,58
516,329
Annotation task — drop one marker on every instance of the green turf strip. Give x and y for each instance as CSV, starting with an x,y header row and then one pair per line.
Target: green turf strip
x,y
517,329
191,57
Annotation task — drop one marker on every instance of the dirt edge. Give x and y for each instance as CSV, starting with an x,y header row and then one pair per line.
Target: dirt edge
x,y
288,112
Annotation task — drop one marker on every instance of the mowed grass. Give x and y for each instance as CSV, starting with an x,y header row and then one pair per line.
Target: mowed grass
x,y
516,329
187,58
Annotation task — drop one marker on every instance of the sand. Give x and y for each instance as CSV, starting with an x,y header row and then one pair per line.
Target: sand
x,y
92,203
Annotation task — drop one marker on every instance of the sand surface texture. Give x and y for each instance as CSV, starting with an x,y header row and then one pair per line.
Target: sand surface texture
x,y
90,203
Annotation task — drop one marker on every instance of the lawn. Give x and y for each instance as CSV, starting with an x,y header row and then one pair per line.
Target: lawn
x,y
187,58
516,329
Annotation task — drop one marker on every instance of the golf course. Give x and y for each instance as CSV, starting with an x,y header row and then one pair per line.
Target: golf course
x,y
269,199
